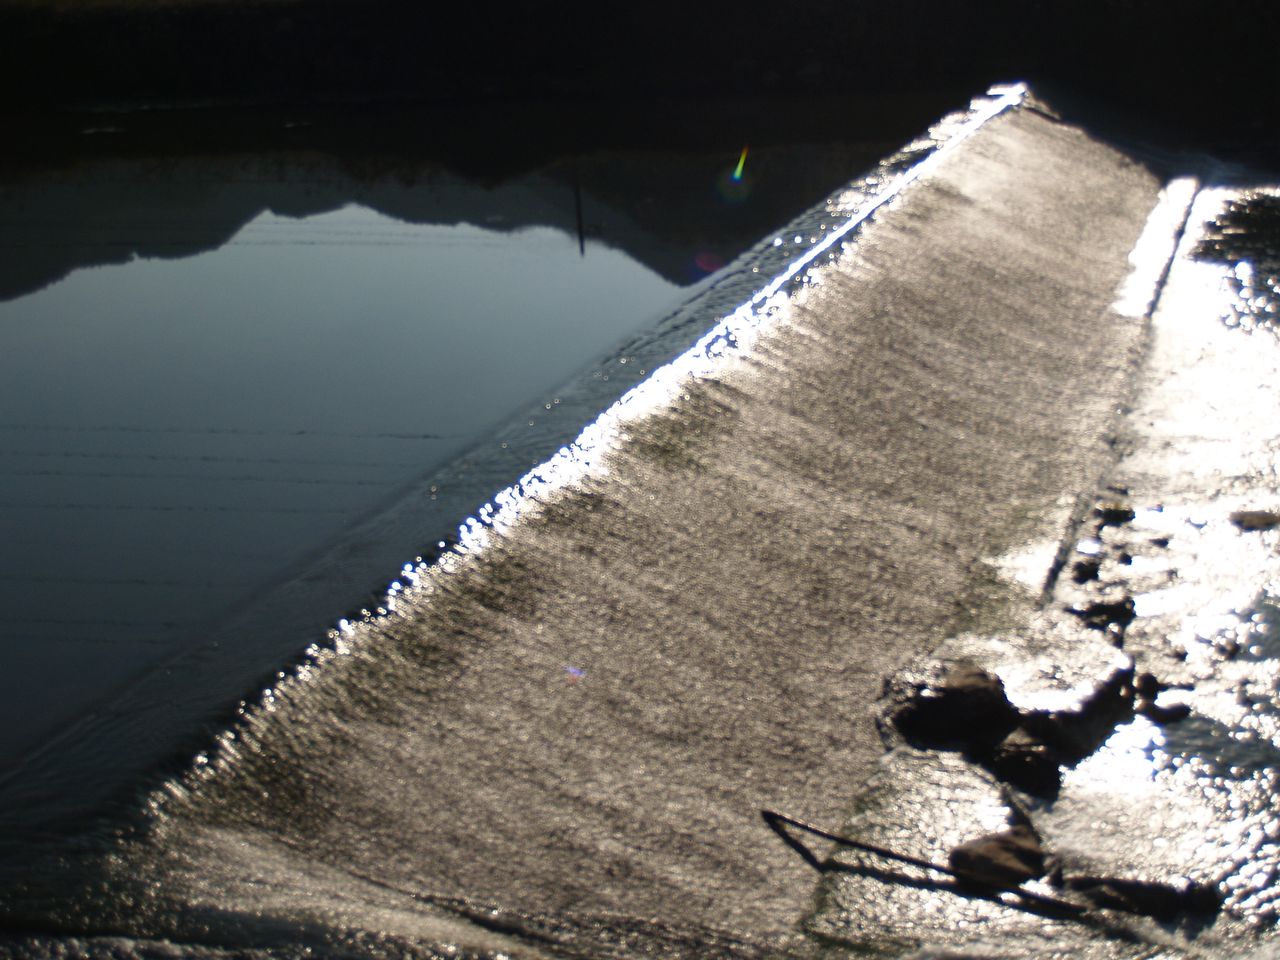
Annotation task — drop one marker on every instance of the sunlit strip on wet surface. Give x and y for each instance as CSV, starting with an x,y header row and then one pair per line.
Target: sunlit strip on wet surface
x,y
1201,561
1153,253
1166,798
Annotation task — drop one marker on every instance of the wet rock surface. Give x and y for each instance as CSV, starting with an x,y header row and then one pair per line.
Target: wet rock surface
x,y
1022,773
1062,756
1082,571
1162,715
1078,731
962,707
1027,763
1251,520
958,706
1111,513
1011,887
1007,858
1107,615
1151,776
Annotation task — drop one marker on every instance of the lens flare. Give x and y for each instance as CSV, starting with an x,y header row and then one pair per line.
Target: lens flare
x,y
732,184
708,261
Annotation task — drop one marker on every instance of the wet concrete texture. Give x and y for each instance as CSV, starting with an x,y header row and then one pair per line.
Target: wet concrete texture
x,y
1199,453
1172,797
570,730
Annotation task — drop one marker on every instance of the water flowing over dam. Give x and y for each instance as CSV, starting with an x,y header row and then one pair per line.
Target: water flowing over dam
x,y
556,740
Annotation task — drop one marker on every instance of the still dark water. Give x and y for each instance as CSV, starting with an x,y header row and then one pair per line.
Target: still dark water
x,y
177,432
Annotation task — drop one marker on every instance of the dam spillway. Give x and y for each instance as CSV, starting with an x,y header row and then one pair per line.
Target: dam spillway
x,y
559,738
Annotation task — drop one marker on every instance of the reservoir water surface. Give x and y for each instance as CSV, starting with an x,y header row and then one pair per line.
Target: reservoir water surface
x,y
179,431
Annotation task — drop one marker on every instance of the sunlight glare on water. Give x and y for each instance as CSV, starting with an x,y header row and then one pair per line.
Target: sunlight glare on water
x,y
1199,790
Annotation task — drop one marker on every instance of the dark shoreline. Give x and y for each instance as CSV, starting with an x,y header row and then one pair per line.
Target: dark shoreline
x,y
1168,71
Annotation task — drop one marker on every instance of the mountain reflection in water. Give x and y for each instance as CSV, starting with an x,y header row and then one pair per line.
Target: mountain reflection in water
x,y
215,363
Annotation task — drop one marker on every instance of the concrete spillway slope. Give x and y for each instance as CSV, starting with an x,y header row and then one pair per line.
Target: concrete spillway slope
x,y
568,732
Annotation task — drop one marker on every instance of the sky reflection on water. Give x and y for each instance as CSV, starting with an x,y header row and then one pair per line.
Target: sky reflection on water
x,y
175,433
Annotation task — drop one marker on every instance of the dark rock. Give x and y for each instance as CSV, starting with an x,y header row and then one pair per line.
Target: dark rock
x,y
1102,614
964,709
1146,685
1251,520
1160,542
1147,898
1082,571
1075,734
1003,859
1113,514
1162,715
1028,764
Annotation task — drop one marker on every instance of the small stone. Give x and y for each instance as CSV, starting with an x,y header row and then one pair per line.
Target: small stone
x,y
1113,514
1003,859
966,709
1082,571
1252,520
1028,764
1074,734
1163,715
1103,613
1146,685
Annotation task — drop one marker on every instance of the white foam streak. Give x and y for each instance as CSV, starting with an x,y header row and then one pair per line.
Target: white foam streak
x,y
1154,250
